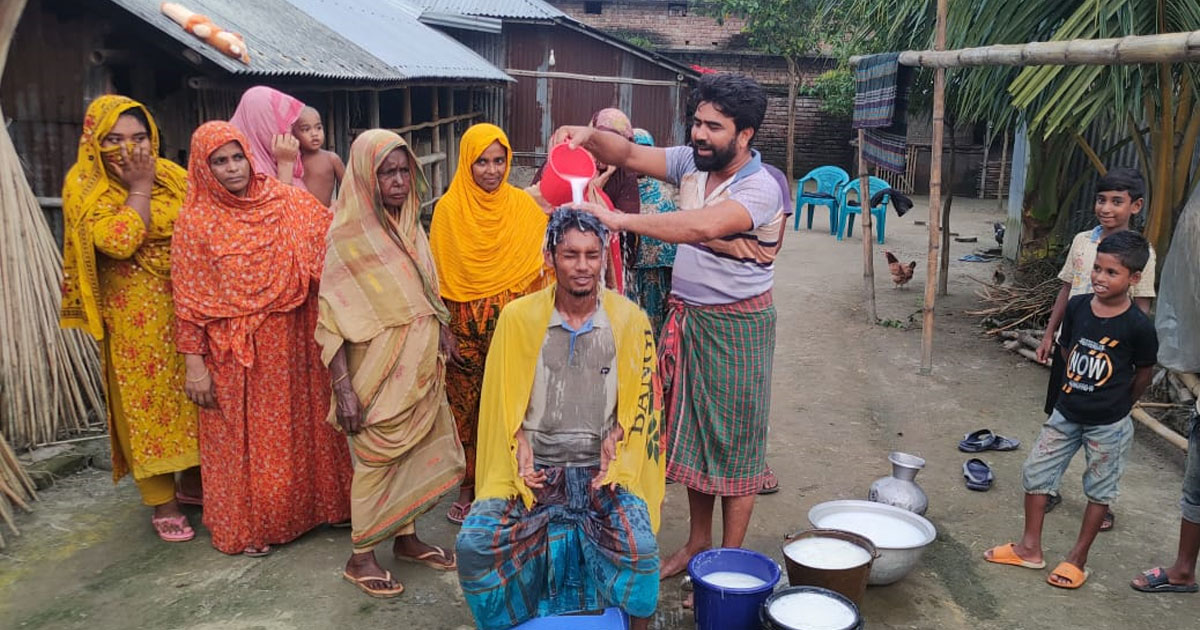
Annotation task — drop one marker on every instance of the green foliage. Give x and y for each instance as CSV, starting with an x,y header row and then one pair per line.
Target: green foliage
x,y
1052,99
835,89
641,40
788,28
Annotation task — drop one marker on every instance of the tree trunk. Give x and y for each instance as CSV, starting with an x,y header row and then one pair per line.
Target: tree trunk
x,y
947,201
793,78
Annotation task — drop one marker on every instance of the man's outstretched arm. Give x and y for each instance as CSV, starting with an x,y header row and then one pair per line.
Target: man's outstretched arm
x,y
694,226
613,149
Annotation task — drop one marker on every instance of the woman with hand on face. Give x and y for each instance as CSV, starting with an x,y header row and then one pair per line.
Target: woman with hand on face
x,y
266,116
380,330
120,202
487,245
247,258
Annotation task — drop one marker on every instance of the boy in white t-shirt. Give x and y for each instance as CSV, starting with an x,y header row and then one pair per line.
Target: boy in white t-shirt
x,y
1120,194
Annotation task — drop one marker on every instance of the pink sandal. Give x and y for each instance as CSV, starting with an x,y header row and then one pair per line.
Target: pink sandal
x,y
165,524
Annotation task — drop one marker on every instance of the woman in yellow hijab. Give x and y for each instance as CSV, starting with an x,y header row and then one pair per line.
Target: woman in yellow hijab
x,y
487,245
120,202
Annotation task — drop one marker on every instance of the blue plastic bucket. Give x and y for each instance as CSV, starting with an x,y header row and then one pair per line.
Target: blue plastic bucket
x,y
727,608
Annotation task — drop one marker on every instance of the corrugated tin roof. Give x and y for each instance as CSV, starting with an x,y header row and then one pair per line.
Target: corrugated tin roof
x,y
286,39
391,31
511,9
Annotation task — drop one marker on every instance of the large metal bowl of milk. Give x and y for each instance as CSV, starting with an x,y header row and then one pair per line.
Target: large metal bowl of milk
x,y
899,536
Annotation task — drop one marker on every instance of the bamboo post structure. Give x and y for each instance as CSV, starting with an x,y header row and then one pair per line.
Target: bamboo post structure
x,y
864,203
935,197
1133,49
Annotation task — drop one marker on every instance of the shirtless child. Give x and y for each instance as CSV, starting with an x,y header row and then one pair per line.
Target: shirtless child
x,y
323,169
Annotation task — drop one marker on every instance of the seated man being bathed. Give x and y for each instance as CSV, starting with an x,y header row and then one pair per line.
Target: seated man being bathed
x,y
570,470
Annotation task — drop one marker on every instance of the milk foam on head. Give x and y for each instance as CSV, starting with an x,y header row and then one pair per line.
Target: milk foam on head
x,y
578,185
732,579
812,611
826,553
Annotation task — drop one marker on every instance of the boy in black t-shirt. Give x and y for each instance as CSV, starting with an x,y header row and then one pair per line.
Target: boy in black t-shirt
x,y
1110,348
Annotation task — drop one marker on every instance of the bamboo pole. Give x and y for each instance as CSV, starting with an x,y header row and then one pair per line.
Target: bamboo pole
x,y
1003,166
1154,425
935,197
1134,49
1190,381
864,203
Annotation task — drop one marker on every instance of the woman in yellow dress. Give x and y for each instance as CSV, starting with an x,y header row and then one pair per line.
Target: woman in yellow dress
x,y
487,245
120,202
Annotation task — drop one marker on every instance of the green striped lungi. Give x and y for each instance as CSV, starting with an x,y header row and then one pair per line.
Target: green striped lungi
x,y
715,363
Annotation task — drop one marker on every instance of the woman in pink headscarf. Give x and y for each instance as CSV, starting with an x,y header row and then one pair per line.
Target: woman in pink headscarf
x,y
266,115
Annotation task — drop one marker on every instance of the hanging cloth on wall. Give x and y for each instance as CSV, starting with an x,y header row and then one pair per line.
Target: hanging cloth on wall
x,y
881,108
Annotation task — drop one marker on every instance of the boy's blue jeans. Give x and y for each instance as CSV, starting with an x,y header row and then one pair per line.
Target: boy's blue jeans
x,y
1190,503
1106,447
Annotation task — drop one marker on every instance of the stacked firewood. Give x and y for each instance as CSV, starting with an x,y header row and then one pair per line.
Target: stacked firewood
x,y
1015,307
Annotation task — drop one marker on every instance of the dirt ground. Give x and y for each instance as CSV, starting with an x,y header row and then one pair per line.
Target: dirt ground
x,y
845,394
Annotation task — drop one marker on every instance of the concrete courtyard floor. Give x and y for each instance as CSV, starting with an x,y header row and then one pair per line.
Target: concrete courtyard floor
x,y
845,394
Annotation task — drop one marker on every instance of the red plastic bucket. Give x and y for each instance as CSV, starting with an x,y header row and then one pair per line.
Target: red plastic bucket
x,y
564,162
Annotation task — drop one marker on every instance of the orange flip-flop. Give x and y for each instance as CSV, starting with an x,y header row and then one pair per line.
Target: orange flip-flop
x,y
1074,577
1005,554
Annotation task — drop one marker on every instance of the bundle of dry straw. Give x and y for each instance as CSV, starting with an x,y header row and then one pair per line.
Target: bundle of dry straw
x,y
49,377
16,488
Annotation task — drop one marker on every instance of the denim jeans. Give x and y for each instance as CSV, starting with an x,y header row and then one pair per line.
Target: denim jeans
x,y
1106,447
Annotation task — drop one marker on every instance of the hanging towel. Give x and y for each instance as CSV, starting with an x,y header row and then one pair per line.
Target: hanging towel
x,y
880,107
875,90
886,150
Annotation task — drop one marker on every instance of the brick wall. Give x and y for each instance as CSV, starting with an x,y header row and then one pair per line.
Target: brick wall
x,y
650,19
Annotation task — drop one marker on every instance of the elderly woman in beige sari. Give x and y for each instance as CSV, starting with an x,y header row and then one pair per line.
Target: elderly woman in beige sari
x,y
381,328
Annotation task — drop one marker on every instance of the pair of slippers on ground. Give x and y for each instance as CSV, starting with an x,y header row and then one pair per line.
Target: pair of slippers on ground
x,y
979,476
1069,576
977,473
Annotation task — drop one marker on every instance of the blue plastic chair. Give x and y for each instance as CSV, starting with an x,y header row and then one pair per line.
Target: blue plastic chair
x,y
847,210
830,180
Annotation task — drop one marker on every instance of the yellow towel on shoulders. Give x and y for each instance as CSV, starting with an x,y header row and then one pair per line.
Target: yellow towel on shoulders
x,y
640,463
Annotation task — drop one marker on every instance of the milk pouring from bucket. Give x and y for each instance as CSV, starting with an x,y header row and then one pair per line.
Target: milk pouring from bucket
x,y
578,186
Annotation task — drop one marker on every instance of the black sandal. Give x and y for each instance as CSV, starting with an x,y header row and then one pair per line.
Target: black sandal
x,y
1158,582
770,482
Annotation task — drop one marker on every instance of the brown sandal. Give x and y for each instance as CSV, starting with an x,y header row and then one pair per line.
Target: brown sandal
x,y
380,593
458,512
449,562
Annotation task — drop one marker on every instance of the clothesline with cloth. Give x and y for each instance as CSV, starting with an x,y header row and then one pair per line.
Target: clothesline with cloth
x,y
880,108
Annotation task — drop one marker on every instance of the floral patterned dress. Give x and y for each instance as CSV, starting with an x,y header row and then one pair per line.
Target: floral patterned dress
x,y
144,374
245,276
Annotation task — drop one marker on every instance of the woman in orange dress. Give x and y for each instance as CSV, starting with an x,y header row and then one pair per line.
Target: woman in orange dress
x,y
247,257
